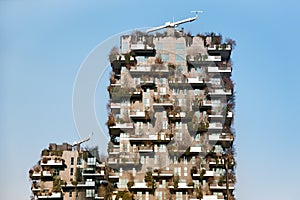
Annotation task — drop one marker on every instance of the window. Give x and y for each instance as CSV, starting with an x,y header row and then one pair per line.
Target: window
x,y
72,160
162,90
163,148
141,59
178,195
136,81
163,80
70,194
125,46
56,172
146,102
167,160
185,160
159,46
89,193
139,195
165,57
155,160
165,125
71,172
91,161
180,46
158,195
147,160
179,58
78,161
185,172
215,81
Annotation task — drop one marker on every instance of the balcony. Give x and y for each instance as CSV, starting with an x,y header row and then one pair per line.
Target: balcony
x,y
142,69
215,126
114,151
115,106
87,184
116,129
219,92
218,114
136,95
219,69
213,197
224,50
159,138
148,83
87,173
200,60
145,149
120,61
141,49
140,186
163,174
54,195
36,175
177,116
113,161
180,82
113,175
223,139
195,149
52,162
223,47
98,197
196,82
221,187
47,174
140,116
201,105
181,186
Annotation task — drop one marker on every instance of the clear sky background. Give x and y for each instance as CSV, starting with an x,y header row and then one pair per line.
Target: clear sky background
x,y
43,43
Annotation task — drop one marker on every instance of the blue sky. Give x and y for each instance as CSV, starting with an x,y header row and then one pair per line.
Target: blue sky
x,y
43,44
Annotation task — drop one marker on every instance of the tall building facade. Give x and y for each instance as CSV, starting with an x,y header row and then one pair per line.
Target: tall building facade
x,y
69,173
171,112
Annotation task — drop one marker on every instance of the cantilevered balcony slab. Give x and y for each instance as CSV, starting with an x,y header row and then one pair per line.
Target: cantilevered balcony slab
x,y
220,50
93,173
163,174
196,83
219,92
224,139
195,149
221,187
53,163
163,105
145,149
216,69
149,138
118,128
142,50
54,195
140,186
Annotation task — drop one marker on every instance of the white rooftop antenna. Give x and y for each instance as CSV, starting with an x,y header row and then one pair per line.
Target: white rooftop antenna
x,y
175,24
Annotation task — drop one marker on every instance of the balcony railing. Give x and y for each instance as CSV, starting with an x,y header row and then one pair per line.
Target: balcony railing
x,y
163,173
204,58
52,163
144,149
221,187
54,195
220,47
219,69
219,92
222,137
